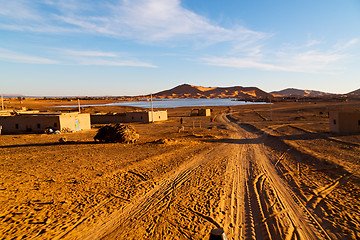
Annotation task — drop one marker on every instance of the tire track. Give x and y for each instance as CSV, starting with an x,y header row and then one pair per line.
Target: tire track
x,y
261,227
246,218
304,225
236,203
264,232
158,198
243,187
321,193
284,195
232,202
249,217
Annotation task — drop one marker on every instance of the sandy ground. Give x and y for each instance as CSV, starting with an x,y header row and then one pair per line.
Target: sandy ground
x,y
259,172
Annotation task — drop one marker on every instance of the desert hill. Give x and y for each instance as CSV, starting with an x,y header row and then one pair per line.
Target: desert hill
x,y
356,92
299,93
190,91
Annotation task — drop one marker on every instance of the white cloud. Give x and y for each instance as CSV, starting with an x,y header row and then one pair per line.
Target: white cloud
x,y
297,60
240,63
99,58
312,43
10,56
73,57
19,9
89,53
344,46
147,21
313,57
113,63
163,22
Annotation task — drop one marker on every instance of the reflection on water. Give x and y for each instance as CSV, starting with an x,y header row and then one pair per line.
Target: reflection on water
x,y
174,103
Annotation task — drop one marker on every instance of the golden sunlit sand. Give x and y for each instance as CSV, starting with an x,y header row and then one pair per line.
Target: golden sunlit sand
x,y
256,171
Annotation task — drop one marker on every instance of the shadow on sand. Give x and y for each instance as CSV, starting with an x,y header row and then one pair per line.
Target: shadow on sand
x,y
277,142
50,144
262,137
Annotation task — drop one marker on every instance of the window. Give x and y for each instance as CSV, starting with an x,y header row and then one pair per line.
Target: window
x,y
38,125
334,121
17,126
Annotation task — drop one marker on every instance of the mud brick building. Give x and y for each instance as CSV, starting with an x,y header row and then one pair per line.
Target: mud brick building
x,y
344,121
138,116
36,123
201,112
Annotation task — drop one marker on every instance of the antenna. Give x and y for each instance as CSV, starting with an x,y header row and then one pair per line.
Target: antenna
x,y
152,108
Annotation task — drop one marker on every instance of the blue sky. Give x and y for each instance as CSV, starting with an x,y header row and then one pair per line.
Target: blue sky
x,y
132,47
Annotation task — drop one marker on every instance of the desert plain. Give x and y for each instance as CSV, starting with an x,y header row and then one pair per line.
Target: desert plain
x,y
257,171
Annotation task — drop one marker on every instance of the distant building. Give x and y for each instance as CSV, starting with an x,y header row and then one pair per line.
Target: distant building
x,y
12,112
108,118
37,122
138,116
201,112
147,116
344,122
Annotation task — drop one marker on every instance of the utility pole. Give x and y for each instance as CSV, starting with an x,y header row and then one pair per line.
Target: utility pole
x,y
2,102
271,111
152,108
79,105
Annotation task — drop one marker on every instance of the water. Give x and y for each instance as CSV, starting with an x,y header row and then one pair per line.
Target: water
x,y
174,103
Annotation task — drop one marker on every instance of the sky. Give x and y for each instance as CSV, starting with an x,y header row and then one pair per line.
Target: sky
x,y
136,47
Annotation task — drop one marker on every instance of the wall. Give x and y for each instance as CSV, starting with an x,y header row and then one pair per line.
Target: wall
x,y
158,116
105,119
137,117
344,122
28,123
6,112
146,116
201,112
68,120
141,116
205,112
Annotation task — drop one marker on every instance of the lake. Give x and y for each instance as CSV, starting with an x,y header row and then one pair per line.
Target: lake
x,y
174,103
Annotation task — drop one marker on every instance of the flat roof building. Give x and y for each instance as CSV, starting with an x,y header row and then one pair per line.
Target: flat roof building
x,y
38,122
6,112
201,112
147,116
137,116
100,118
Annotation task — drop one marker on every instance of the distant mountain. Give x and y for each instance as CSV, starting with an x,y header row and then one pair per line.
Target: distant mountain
x,y
298,93
190,91
356,92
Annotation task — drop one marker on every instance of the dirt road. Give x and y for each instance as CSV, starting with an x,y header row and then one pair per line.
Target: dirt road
x,y
232,184
268,207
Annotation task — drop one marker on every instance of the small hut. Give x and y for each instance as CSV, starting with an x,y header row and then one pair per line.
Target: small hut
x,y
201,112
344,121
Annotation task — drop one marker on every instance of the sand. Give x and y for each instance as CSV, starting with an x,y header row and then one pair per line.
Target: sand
x,y
258,172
